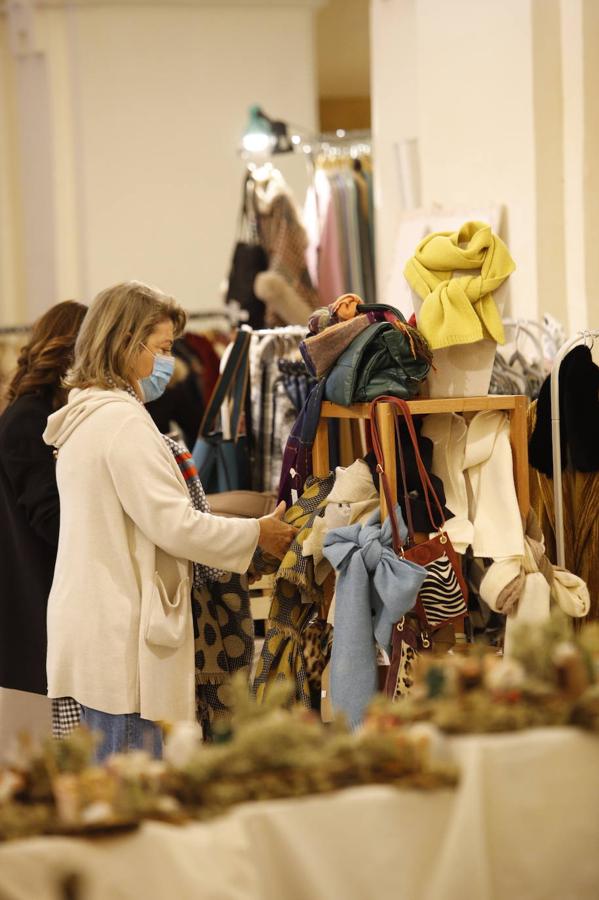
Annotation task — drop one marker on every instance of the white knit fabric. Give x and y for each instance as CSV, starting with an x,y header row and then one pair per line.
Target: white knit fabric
x,y
128,532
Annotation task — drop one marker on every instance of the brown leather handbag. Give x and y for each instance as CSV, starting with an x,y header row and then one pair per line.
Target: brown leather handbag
x,y
442,603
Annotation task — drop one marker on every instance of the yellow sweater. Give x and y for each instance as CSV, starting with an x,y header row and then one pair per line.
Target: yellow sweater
x,y
459,309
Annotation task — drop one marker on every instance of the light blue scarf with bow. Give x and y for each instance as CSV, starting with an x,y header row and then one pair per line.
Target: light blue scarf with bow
x,y
375,588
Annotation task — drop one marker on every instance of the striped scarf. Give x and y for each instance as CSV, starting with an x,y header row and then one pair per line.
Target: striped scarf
x,y
201,574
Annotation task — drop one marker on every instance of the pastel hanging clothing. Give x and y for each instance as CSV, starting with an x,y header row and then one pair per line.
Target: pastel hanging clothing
x,y
458,307
324,251
375,588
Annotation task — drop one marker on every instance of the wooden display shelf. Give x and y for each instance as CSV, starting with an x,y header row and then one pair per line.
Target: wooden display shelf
x,y
514,404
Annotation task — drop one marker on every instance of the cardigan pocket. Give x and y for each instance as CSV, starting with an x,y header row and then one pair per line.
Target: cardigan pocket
x,y
167,619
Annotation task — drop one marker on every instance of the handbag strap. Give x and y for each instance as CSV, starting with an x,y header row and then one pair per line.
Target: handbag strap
x,y
239,392
427,486
248,204
380,308
404,481
231,381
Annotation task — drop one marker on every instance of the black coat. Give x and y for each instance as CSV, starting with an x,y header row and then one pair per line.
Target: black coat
x,y
29,522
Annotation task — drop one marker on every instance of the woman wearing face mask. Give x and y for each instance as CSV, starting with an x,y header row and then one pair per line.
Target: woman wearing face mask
x,y
120,632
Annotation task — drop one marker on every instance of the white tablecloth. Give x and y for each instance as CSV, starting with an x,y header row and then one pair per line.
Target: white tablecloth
x,y
522,825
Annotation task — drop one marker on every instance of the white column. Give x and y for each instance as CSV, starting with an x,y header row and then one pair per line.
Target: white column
x,y
395,115
590,31
573,177
32,196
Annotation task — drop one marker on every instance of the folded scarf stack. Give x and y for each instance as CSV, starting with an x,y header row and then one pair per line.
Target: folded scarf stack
x,y
364,350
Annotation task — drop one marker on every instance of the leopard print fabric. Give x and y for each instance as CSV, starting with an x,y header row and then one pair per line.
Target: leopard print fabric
x,y
317,643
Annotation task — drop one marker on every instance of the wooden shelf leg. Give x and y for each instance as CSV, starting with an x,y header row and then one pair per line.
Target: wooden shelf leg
x,y
320,450
386,424
519,442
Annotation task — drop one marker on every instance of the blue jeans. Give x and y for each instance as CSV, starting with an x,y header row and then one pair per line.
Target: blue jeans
x,y
122,733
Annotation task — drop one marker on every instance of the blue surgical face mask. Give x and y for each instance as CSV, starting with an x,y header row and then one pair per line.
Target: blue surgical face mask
x,y
155,384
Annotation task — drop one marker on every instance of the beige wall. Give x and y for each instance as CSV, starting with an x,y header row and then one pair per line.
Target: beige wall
x,y
343,64
502,101
135,173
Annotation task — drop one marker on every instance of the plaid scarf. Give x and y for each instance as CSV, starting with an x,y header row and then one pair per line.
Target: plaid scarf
x,y
296,599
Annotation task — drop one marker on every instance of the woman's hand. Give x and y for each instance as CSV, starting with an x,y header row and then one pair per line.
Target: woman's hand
x,y
276,535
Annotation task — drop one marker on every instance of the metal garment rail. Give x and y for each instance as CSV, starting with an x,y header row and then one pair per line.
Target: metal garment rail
x,y
558,497
222,314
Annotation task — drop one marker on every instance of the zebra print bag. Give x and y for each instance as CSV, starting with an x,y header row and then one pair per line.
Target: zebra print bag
x,y
442,603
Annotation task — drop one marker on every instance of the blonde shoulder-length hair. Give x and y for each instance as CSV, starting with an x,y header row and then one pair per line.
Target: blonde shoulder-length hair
x,y
118,321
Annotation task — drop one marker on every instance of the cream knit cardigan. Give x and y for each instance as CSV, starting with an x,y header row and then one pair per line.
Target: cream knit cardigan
x,y
474,462
120,631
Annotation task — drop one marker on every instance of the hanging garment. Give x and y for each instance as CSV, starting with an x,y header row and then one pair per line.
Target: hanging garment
x,y
249,258
284,415
579,417
523,589
324,252
343,224
297,456
225,642
354,498
375,588
295,600
488,462
222,456
223,624
351,200
286,287
459,308
475,464
264,354
366,248
204,351
580,514
297,380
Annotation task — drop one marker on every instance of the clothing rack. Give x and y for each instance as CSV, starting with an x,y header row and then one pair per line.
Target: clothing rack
x,y
292,330
6,330
211,314
523,325
334,145
224,314
558,497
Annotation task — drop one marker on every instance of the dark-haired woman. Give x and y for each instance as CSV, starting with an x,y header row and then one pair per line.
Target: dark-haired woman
x,y
29,506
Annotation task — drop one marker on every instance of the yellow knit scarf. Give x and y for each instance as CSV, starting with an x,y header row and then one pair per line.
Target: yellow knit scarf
x,y
459,309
